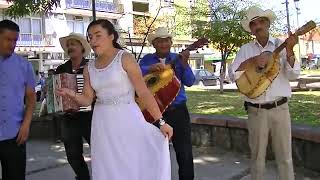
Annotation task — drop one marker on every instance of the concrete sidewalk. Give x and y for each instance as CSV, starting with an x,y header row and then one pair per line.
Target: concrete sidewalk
x,y
47,161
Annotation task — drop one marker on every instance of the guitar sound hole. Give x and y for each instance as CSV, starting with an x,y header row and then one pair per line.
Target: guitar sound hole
x,y
259,69
152,81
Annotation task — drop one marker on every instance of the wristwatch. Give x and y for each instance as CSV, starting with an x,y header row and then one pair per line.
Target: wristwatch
x,y
160,122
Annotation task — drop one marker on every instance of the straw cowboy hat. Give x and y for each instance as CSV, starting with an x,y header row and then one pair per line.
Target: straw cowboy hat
x,y
160,32
254,13
80,38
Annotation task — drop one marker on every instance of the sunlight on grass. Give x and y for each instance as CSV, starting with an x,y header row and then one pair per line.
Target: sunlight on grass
x,y
304,106
311,72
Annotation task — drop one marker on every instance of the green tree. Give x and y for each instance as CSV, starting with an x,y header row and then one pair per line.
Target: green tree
x,y
181,20
219,21
20,8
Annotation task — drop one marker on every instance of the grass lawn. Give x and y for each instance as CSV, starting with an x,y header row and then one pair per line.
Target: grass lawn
x,y
311,72
304,106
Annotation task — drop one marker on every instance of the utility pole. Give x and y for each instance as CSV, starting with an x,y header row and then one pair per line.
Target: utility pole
x,y
288,18
93,3
296,3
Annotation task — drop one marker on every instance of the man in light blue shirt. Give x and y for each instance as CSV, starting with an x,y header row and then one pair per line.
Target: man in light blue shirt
x,y
17,102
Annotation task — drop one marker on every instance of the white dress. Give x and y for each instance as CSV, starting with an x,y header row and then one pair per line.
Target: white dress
x,y
123,145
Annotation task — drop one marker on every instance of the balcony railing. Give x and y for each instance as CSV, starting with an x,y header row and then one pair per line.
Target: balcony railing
x,y
101,6
35,40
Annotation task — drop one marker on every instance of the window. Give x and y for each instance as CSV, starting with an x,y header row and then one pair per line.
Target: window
x,y
202,73
140,7
36,26
25,25
70,26
208,73
77,26
30,31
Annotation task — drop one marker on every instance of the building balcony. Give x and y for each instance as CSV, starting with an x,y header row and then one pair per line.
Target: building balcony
x,y
35,40
101,6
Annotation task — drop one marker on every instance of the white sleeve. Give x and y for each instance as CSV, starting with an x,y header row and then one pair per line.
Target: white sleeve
x,y
291,72
240,58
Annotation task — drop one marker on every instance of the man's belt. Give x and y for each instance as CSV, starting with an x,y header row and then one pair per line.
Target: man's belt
x,y
268,105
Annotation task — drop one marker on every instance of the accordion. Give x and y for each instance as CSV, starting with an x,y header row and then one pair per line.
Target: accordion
x,y
56,103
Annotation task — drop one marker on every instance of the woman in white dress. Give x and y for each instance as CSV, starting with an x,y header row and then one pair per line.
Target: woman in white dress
x,y
123,145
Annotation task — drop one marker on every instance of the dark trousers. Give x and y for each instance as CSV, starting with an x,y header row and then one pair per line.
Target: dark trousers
x,y
57,127
179,119
75,128
13,160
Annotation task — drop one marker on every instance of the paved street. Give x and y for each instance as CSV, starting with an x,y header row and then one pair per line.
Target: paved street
x,y
47,161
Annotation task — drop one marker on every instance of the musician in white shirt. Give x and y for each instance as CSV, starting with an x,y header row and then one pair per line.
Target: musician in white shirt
x,y
268,113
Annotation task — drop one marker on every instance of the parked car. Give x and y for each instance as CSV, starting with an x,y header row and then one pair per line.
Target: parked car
x,y
205,78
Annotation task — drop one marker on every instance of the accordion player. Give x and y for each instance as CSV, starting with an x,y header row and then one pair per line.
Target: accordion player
x,y
64,104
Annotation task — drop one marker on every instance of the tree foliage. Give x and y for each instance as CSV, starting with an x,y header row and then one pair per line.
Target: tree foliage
x,y
20,8
141,23
219,21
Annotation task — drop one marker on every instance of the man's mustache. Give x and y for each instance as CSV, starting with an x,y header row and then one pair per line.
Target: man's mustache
x,y
70,51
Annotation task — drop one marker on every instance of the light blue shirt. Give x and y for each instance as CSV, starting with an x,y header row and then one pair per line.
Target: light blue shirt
x,y
16,74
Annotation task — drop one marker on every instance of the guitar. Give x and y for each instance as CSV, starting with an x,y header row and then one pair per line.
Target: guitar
x,y
164,85
254,81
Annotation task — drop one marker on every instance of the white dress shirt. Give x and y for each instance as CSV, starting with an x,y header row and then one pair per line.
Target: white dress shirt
x,y
280,87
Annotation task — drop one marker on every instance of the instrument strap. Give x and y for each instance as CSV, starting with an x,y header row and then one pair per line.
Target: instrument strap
x,y
277,42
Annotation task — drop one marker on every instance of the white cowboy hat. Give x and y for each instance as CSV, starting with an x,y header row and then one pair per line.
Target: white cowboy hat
x,y
254,13
160,32
80,38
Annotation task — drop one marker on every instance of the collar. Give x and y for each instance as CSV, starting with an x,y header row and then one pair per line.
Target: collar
x,y
170,56
2,58
83,62
270,40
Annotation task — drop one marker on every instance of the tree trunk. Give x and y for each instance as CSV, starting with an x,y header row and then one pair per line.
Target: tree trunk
x,y
222,69
222,74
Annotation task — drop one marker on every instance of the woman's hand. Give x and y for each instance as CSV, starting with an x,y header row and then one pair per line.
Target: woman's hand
x,y
65,92
167,130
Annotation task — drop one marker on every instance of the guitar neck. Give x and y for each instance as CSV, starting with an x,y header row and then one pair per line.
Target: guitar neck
x,y
198,44
301,31
280,48
191,48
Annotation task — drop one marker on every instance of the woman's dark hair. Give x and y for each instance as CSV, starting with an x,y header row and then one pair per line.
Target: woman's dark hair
x,y
107,25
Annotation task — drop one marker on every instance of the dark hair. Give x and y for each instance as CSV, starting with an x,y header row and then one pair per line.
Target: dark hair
x,y
8,25
107,25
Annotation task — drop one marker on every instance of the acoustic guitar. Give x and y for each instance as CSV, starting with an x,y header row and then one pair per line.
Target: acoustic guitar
x,y
254,81
164,85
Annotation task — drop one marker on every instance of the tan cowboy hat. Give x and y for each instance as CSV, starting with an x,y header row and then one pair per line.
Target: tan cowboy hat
x,y
80,38
254,13
160,32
